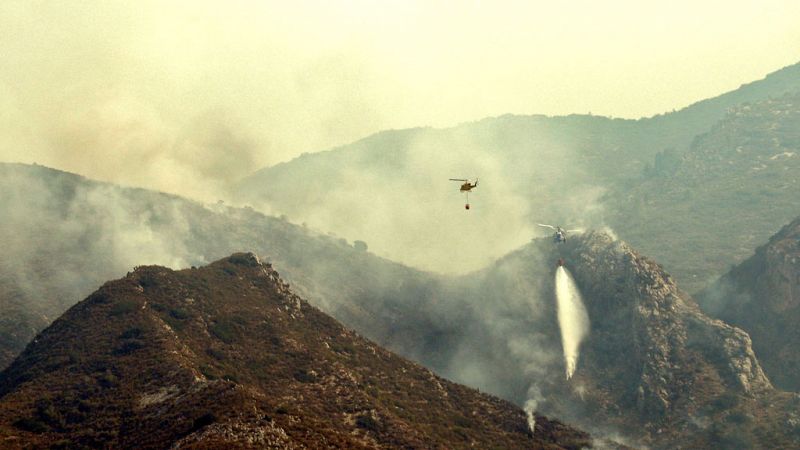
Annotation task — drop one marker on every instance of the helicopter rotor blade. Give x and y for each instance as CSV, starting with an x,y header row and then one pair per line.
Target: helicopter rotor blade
x,y
546,226
457,179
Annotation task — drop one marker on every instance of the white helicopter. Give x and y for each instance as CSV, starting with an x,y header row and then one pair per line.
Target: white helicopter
x,y
560,234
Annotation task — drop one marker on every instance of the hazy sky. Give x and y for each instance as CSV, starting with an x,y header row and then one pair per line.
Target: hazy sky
x,y
158,93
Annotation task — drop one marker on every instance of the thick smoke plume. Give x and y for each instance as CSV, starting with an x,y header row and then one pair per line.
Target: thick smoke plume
x,y
572,318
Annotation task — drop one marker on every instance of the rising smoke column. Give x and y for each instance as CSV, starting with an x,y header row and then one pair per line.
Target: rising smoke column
x,y
572,318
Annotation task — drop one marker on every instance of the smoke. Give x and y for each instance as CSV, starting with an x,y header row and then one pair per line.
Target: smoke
x,y
609,231
493,330
191,100
180,98
534,397
94,232
573,320
392,191
530,409
722,295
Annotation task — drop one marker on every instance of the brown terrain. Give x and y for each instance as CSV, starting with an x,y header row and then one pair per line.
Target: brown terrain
x,y
227,356
655,370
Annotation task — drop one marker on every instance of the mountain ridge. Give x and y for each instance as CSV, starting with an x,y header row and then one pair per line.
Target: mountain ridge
x,y
227,355
533,169
494,329
782,80
762,295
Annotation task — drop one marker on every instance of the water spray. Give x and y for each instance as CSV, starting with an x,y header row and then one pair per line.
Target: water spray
x,y
573,320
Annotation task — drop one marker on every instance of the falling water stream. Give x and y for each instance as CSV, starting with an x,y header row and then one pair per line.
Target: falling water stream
x,y
572,318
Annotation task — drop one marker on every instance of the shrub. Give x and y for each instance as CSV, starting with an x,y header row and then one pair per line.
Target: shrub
x,y
204,420
31,424
208,372
131,333
107,379
725,401
179,313
124,306
230,377
738,417
304,377
216,354
147,280
224,331
127,348
368,422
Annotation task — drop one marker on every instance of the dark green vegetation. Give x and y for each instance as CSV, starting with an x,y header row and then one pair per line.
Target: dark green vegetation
x,y
251,366
672,185
762,296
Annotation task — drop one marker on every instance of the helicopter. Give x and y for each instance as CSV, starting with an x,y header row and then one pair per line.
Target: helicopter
x,y
560,234
466,188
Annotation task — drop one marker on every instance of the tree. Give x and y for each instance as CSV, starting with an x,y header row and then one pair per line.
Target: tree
x,y
361,246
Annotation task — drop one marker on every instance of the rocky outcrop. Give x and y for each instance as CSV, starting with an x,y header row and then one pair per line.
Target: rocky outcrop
x,y
651,349
663,324
762,296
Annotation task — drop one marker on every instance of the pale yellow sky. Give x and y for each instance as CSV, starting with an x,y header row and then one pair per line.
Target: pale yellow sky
x,y
158,93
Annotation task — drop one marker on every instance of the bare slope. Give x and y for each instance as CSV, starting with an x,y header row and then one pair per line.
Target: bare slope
x,y
227,356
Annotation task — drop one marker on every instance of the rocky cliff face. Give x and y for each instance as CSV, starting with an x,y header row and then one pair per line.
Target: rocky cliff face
x,y
654,368
652,350
655,362
226,356
762,296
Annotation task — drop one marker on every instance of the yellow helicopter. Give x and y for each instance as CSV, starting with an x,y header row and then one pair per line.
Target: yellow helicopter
x,y
466,188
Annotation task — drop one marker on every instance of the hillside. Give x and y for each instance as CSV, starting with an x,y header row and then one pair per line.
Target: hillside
x,y
63,235
494,329
226,355
723,197
533,169
762,296
699,117
655,371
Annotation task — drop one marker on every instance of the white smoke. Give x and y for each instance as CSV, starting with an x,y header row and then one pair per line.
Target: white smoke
x,y
572,318
530,408
534,396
